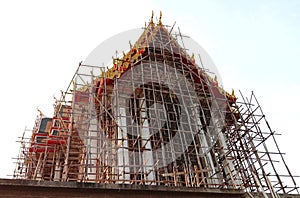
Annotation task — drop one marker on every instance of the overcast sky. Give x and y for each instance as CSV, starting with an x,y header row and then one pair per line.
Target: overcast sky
x,y
254,44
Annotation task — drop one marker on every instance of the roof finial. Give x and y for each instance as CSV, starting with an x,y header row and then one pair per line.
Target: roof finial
x,y
151,20
130,44
55,99
216,79
232,93
40,112
193,58
160,15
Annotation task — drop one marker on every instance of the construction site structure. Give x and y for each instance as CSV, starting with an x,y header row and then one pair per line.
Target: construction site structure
x,y
155,116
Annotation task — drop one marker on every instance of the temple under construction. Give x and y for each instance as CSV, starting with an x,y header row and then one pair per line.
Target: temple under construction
x,y
156,115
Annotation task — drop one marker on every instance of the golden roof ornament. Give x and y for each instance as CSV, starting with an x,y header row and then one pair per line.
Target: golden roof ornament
x,y
160,15
232,93
55,99
193,58
151,20
40,112
130,44
216,79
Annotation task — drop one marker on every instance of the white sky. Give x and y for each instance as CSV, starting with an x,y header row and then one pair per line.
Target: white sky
x,y
254,44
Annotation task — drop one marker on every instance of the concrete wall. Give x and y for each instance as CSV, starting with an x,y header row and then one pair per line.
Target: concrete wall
x,y
42,189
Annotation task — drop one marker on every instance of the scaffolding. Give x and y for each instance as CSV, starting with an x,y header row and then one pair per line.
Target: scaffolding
x,y
155,117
